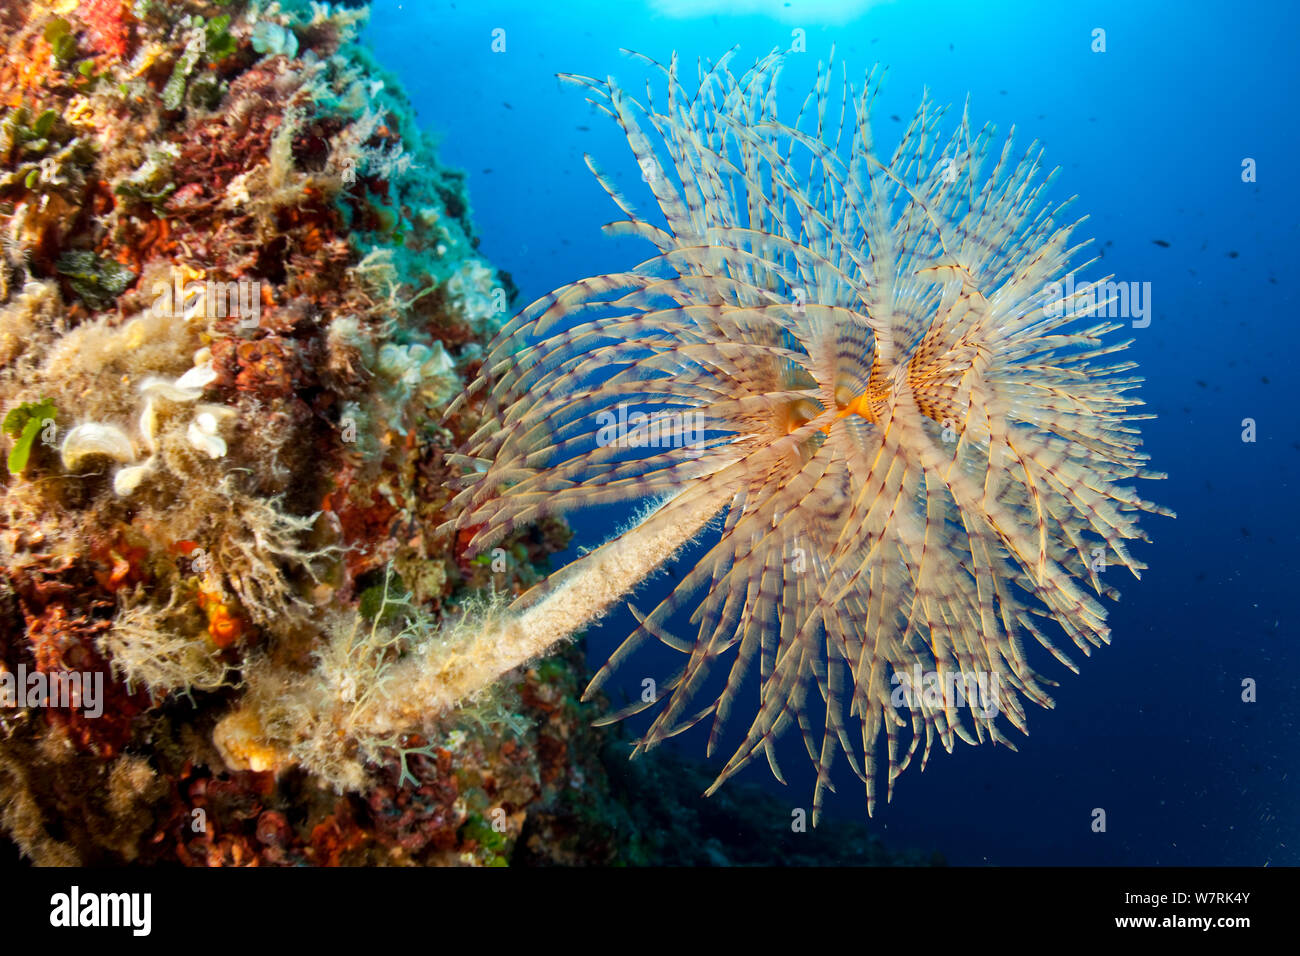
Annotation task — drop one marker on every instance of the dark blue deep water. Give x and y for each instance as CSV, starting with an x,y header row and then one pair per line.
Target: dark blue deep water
x,y
1151,136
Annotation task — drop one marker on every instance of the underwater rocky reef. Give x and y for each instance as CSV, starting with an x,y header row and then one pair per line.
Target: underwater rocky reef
x,y
237,293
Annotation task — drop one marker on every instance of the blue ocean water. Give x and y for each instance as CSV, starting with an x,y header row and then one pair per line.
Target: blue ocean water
x,y
1151,135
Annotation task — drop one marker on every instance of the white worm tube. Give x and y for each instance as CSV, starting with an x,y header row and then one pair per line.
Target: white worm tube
x,y
313,719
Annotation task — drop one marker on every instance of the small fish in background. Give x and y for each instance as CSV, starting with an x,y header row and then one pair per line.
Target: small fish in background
x,y
1232,253
506,105
583,129
1161,243
894,117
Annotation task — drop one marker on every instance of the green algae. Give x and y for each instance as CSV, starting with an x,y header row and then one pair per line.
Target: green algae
x,y
97,281
24,424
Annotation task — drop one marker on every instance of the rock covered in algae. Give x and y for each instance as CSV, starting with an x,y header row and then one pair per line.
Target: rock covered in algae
x,y
237,293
